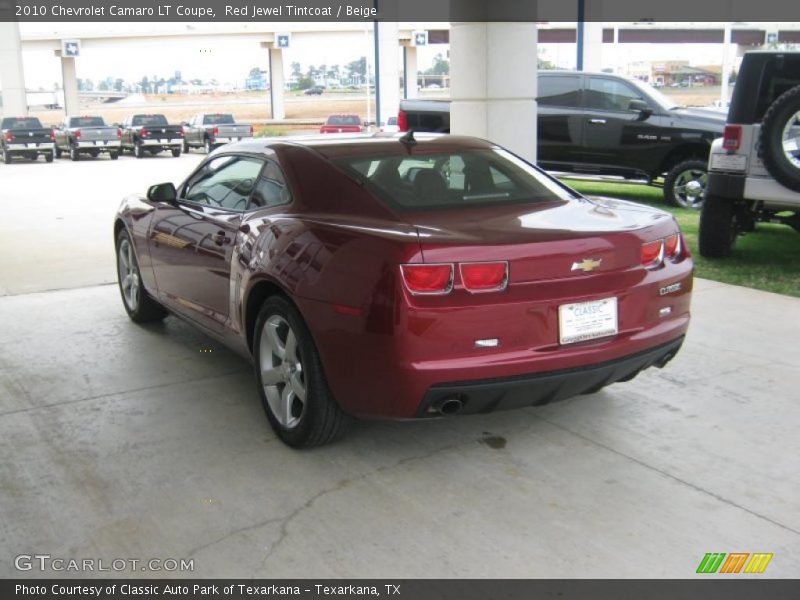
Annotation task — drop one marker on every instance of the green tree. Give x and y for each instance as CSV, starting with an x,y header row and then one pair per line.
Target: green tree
x,y
441,66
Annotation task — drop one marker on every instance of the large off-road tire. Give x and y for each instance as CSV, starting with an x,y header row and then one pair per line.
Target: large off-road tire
x,y
685,184
780,139
719,226
291,381
139,305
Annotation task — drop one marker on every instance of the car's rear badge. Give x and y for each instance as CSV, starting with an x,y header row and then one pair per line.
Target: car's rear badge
x,y
669,289
586,265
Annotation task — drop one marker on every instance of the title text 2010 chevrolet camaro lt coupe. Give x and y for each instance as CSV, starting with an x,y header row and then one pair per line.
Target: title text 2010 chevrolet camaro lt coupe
x,y
394,277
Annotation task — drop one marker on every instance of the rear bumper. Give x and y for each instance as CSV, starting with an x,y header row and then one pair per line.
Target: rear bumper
x,y
102,146
542,388
24,148
228,139
158,143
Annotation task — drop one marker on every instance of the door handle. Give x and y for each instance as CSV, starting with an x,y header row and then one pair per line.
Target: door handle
x,y
220,239
597,121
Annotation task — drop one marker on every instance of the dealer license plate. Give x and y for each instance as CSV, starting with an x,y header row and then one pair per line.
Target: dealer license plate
x,y
33,145
584,321
162,141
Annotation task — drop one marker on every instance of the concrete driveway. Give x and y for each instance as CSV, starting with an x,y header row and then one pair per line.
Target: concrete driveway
x,y
122,441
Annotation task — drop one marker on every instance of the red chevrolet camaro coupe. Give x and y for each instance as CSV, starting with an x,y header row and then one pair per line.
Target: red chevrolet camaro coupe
x,y
401,277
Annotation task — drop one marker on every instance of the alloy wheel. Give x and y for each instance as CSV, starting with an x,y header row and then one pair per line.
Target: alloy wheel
x,y
690,187
128,275
282,374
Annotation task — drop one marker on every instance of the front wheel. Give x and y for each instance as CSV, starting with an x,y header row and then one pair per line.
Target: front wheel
x,y
719,226
685,184
291,382
139,305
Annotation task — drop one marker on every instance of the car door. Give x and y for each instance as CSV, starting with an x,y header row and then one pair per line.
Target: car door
x,y
192,240
614,135
560,120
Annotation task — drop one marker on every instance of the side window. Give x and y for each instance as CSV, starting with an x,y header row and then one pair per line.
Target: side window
x,y
610,94
270,189
561,90
224,182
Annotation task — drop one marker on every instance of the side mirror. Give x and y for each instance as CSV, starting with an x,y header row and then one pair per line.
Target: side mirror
x,y
642,108
162,192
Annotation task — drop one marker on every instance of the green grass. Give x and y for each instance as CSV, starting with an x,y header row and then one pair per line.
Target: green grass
x,y
766,259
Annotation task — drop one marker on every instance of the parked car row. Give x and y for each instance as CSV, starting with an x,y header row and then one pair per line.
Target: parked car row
x,y
139,134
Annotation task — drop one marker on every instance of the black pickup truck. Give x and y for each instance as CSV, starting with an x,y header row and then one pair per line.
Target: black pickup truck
x,y
604,124
151,134
25,136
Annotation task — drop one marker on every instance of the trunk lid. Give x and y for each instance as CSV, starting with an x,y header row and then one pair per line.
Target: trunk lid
x,y
546,241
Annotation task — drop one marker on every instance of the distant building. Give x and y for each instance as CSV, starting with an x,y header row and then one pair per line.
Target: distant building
x,y
673,73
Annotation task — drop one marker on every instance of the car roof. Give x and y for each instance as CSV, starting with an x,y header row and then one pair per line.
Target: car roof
x,y
341,145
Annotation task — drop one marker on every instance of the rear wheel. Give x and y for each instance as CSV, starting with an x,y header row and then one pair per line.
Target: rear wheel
x,y
74,154
6,157
48,157
176,152
139,305
186,146
719,226
58,152
209,147
685,184
138,151
113,155
291,382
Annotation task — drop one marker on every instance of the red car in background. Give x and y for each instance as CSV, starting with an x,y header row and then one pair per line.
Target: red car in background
x,y
393,277
342,124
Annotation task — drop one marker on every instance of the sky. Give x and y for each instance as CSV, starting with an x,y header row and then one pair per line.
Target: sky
x,y
232,62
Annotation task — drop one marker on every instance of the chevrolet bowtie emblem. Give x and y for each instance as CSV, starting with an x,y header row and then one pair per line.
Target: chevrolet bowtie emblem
x,y
586,265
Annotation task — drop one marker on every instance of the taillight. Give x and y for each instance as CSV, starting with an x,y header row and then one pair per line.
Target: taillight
x,y
77,134
9,136
52,135
252,131
181,132
428,279
672,247
653,254
215,131
119,133
143,132
732,137
402,121
484,277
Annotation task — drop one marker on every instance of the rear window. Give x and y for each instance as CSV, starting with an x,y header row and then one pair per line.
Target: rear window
x,y
86,122
150,120
343,120
454,180
218,120
22,123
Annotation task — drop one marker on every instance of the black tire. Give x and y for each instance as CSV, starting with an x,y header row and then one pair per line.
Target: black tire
x,y
685,184
186,146
58,152
113,155
48,157
74,155
145,309
320,420
209,147
6,157
176,152
138,151
776,119
718,227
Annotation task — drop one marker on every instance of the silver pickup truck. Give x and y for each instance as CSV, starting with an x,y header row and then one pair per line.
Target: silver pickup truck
x,y
87,135
209,130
